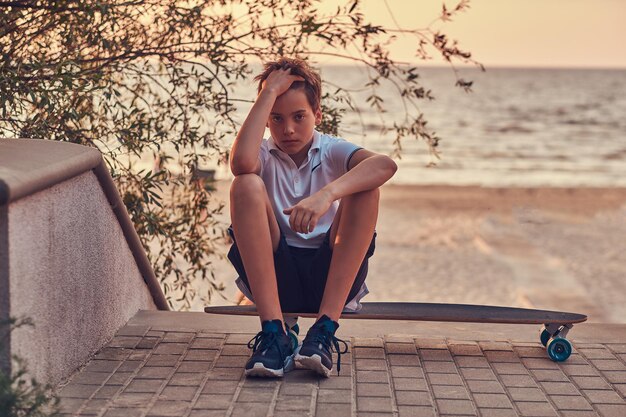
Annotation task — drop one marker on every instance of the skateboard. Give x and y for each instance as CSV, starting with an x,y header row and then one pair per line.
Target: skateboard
x,y
556,324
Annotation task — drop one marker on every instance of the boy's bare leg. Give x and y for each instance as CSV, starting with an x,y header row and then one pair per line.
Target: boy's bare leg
x,y
350,237
257,234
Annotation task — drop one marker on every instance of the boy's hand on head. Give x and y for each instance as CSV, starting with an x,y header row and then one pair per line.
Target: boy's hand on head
x,y
280,80
303,217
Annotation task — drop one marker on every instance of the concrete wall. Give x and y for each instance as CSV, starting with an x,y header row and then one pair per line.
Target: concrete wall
x,y
72,272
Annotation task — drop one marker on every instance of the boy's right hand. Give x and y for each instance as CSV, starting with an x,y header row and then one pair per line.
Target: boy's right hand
x,y
279,81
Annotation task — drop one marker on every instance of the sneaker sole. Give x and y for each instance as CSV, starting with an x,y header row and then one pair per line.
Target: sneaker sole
x,y
259,370
313,363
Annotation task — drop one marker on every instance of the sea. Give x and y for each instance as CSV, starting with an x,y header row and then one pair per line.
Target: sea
x,y
518,127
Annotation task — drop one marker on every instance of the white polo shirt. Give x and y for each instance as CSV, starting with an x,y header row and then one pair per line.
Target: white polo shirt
x,y
288,184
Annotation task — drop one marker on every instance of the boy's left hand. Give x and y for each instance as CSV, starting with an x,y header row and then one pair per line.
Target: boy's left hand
x,y
303,217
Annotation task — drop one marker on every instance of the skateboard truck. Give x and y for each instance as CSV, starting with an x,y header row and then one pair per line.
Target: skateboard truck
x,y
553,338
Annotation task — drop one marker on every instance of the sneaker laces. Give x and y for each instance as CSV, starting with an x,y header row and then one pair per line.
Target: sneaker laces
x,y
264,340
331,343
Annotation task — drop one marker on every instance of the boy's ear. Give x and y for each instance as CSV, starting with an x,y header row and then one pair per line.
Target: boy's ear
x,y
318,116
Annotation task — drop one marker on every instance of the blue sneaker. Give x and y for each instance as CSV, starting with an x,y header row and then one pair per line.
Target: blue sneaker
x,y
293,330
272,354
316,351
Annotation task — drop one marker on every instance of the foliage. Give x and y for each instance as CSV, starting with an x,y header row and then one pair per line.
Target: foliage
x,y
145,78
21,396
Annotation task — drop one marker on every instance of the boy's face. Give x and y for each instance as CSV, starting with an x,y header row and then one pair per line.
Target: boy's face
x,y
292,121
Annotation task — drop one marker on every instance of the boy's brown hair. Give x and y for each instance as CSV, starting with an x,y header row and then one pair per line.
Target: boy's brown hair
x,y
312,83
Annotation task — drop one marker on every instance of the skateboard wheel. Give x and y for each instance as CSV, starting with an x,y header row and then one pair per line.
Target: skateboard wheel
x,y
559,349
545,336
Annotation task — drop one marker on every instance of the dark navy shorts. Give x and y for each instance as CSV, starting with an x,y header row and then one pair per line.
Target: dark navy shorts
x,y
301,273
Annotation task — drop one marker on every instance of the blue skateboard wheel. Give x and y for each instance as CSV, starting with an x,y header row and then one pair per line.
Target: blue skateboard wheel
x,y
559,349
545,336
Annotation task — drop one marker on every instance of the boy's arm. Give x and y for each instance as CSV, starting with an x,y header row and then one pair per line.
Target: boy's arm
x,y
366,171
244,155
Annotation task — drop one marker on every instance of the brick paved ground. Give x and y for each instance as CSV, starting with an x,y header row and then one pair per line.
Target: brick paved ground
x,y
149,370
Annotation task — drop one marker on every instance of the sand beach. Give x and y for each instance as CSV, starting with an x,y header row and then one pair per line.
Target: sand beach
x,y
553,248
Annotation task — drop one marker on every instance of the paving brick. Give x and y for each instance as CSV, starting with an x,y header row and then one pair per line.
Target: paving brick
x,y
373,390
492,401
590,382
547,375
178,337
401,348
435,355
343,382
440,367
409,384
403,360
540,363
608,364
267,383
578,370
372,376
154,372
612,410
139,355
413,398
238,339
195,366
144,385
367,342
186,379
332,410
147,343
178,393
202,355
527,394
471,362
603,397
94,407
210,335
510,369
107,391
220,387
129,366
535,409
338,396
480,374
497,412
375,404
369,353
256,395
559,388
168,409
465,349
206,343
170,348
531,352
132,399
371,365
415,411
102,366
615,377
123,412
578,413
162,360
445,379
293,403
399,338
455,407
486,387
406,372
621,388
570,402
596,353
90,378
109,353
124,342
501,356
210,413
73,390
496,346
523,381
213,401
235,350
452,392
155,333
231,361
297,389
429,343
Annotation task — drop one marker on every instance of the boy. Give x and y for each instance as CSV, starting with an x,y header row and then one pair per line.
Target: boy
x,y
303,208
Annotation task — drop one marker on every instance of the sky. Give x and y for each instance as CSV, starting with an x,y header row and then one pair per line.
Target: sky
x,y
519,33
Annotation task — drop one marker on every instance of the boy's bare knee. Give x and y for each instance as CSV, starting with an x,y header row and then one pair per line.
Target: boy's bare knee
x,y
368,195
246,185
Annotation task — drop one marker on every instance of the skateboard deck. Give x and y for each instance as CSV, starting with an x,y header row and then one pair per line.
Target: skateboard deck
x,y
556,324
